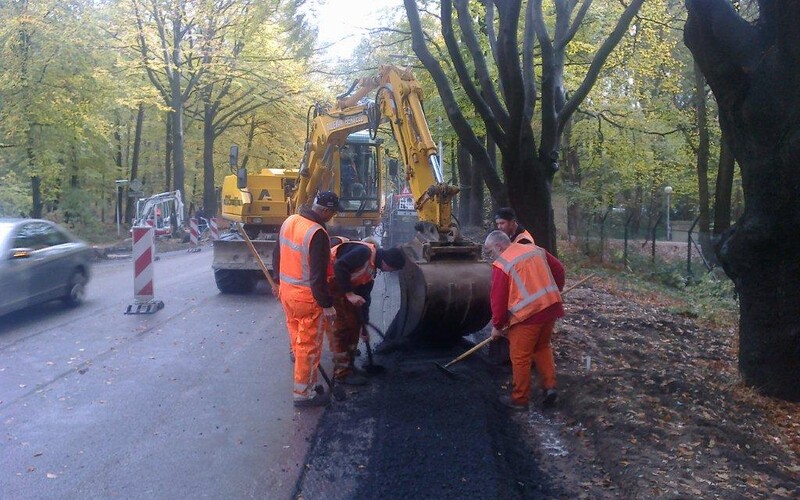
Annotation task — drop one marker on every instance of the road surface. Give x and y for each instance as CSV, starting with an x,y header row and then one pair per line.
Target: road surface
x,y
190,402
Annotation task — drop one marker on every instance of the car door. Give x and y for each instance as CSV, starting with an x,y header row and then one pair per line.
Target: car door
x,y
52,262
14,274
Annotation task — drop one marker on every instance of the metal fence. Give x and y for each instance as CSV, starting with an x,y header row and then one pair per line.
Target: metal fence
x,y
614,238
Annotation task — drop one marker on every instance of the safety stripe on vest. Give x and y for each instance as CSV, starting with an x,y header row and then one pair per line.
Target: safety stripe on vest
x,y
508,267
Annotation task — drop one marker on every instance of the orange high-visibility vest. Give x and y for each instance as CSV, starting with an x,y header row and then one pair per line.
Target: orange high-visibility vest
x,y
530,281
294,240
365,273
524,235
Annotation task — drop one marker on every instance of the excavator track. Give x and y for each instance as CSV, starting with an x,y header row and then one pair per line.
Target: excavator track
x,y
444,293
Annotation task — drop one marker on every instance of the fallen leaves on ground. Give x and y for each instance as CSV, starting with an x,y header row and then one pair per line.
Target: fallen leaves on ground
x,y
662,410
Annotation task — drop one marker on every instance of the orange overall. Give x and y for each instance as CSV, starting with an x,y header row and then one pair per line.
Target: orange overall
x,y
523,235
304,318
349,321
531,290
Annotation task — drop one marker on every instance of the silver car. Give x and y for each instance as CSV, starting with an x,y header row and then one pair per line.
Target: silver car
x,y
40,261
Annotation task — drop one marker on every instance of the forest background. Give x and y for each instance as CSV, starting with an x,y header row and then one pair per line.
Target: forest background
x,y
92,92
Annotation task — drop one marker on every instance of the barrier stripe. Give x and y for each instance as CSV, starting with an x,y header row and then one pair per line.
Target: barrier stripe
x,y
143,264
193,231
212,223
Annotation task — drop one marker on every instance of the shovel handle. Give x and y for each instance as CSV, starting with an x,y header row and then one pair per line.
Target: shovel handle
x,y
472,350
581,282
257,256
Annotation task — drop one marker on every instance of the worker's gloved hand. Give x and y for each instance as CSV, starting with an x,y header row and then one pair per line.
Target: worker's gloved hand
x,y
276,291
329,313
355,299
499,333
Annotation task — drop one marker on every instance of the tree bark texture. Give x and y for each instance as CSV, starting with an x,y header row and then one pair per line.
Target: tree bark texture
x,y
724,189
464,162
753,70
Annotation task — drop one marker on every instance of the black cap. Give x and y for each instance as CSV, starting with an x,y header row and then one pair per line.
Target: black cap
x,y
330,200
505,213
394,257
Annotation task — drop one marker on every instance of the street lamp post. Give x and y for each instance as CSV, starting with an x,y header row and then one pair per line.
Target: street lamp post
x,y
668,191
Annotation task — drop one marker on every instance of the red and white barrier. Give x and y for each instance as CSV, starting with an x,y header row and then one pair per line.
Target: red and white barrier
x,y
143,250
194,232
213,229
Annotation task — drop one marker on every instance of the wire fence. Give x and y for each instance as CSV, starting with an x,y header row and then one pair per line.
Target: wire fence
x,y
646,245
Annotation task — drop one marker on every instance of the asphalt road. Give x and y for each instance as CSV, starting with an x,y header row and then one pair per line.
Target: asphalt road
x,y
190,402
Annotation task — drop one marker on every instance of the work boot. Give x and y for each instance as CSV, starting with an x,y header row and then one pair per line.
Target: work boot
x,y
550,398
352,378
508,403
318,399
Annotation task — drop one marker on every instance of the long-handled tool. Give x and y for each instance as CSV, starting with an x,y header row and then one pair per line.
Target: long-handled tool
x,y
261,264
476,347
338,392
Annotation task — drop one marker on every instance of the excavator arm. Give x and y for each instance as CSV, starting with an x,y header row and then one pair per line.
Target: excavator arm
x,y
445,286
399,99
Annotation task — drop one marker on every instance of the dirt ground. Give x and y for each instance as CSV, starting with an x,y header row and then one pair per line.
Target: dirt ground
x,y
651,406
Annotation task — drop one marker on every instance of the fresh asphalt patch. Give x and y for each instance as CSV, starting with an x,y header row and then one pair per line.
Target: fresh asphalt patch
x,y
414,432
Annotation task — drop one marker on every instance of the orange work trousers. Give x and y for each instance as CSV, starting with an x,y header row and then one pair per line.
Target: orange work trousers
x,y
531,343
306,327
343,341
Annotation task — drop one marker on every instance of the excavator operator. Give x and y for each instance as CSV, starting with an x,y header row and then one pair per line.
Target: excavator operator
x,y
301,258
352,275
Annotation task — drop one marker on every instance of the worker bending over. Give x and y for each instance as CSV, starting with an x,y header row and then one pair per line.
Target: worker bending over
x,y
506,221
526,302
302,257
353,268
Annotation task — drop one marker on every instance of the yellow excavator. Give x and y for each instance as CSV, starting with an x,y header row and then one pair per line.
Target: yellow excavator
x,y
445,287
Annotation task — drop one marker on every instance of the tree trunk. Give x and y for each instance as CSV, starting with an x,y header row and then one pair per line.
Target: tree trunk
x,y
168,155
179,171
747,66
703,147
722,203
209,194
36,196
137,147
465,175
476,194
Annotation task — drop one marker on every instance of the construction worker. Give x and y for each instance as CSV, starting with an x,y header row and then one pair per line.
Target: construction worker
x,y
526,302
506,221
302,257
353,268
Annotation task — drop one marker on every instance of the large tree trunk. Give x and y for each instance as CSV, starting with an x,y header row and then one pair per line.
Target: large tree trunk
x,y
751,69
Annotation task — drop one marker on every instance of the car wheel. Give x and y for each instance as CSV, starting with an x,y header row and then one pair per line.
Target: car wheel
x,y
76,289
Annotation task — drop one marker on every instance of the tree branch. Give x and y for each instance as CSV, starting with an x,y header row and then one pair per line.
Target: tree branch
x,y
597,63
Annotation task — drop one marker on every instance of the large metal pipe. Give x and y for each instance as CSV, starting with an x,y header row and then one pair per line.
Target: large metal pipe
x,y
441,299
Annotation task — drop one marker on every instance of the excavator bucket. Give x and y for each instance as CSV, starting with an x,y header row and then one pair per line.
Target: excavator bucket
x,y
444,293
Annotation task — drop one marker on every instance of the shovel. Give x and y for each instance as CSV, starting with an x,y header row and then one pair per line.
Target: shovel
x,y
452,374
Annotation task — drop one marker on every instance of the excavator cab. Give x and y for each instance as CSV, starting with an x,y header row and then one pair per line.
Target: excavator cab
x,y
359,186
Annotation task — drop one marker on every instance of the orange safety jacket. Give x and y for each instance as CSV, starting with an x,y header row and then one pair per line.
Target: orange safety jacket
x,y
365,273
524,235
531,285
294,240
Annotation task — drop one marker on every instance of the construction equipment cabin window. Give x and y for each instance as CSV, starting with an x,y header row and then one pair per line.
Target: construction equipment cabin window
x,y
359,184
